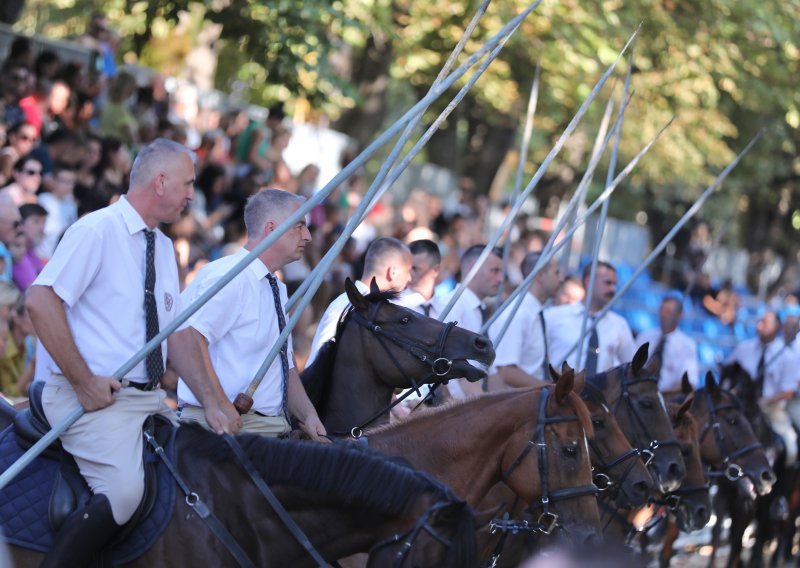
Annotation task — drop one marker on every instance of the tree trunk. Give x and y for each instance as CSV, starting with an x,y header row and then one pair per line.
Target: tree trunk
x,y
487,144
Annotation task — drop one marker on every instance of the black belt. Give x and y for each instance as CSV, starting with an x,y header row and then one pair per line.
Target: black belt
x,y
139,386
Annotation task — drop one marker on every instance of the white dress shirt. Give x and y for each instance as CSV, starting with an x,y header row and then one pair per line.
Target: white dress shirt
x,y
466,311
523,343
417,302
780,374
326,329
679,356
241,325
563,324
98,272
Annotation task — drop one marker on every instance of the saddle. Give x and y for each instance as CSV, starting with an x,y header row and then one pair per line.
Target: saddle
x,y
70,490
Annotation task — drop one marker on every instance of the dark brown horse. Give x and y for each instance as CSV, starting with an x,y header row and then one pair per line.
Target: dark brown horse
x,y
345,499
632,392
380,347
532,440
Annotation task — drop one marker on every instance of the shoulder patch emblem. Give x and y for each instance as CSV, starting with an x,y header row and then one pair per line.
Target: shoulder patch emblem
x,y
168,301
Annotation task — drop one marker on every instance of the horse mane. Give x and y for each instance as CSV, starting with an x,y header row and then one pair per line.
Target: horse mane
x,y
350,471
583,414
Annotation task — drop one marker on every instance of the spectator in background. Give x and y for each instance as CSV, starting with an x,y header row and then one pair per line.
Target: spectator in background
x,y
27,178
9,297
570,291
62,211
16,369
116,118
15,85
36,105
21,139
723,304
426,261
111,176
9,224
86,170
27,268
46,65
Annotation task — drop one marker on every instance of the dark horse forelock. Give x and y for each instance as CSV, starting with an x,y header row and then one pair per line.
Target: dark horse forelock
x,y
365,476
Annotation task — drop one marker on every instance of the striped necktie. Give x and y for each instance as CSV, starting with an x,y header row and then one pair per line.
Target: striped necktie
x,y
154,363
276,296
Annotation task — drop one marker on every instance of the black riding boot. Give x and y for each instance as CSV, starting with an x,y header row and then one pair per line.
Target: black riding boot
x,y
84,534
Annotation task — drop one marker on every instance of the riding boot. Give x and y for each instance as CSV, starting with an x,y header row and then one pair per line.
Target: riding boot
x,y
84,535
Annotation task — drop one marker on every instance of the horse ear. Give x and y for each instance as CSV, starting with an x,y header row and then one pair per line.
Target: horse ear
x,y
580,382
373,287
686,385
564,386
653,366
640,359
684,408
554,375
711,384
354,295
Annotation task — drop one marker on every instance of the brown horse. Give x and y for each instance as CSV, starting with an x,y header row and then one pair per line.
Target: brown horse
x,y
345,499
632,392
533,440
380,347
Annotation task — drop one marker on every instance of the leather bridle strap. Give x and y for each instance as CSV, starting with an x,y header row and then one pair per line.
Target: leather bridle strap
x,y
631,411
202,510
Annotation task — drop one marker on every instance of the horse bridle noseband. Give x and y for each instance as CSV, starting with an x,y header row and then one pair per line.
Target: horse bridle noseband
x,y
730,469
439,364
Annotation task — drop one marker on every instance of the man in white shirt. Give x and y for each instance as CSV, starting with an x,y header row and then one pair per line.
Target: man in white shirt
x,y
426,263
470,311
520,359
677,351
611,342
775,374
388,261
111,284
231,334
569,292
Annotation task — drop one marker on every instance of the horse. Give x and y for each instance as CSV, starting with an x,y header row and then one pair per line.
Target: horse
x,y
350,383
748,496
533,440
690,504
344,498
631,390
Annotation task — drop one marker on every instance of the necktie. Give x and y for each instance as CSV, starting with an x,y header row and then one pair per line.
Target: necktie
x,y
484,313
154,363
760,369
276,296
659,350
426,309
594,350
545,359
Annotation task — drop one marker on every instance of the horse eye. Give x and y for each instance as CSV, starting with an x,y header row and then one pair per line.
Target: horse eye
x,y
405,320
646,403
733,420
570,451
598,422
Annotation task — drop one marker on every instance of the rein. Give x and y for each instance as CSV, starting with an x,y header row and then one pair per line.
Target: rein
x,y
730,469
439,364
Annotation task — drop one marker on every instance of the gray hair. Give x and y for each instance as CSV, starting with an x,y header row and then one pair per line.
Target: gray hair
x,y
159,151
267,205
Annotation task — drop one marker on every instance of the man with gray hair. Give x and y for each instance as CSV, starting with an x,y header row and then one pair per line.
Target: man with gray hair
x,y
225,341
110,285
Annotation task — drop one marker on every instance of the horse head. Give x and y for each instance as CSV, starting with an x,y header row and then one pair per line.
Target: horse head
x,y
727,441
691,502
408,348
632,391
618,469
557,456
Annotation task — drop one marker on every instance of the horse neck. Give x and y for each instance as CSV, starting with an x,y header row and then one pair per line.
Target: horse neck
x,y
464,444
356,393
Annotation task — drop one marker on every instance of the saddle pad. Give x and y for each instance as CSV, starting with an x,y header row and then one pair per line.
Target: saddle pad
x,y
24,503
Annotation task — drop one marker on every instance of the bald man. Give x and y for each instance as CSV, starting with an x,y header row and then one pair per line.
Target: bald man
x,y
111,284
388,261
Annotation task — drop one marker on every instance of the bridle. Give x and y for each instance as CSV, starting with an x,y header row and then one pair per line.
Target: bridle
x,y
548,521
600,473
730,469
435,358
408,538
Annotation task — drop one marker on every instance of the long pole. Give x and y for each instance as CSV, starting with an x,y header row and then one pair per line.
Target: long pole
x,y
358,218
601,223
670,235
551,251
573,124
268,241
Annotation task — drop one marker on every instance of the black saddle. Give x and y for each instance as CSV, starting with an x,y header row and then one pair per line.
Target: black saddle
x,y
70,490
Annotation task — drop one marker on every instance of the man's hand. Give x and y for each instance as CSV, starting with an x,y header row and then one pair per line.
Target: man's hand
x,y
314,428
223,418
96,392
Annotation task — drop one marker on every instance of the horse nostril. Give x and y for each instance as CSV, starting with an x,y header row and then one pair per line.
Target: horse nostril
x,y
481,343
676,471
767,476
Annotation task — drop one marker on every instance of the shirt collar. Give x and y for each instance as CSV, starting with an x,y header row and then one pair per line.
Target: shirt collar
x,y
133,221
257,268
472,301
361,287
